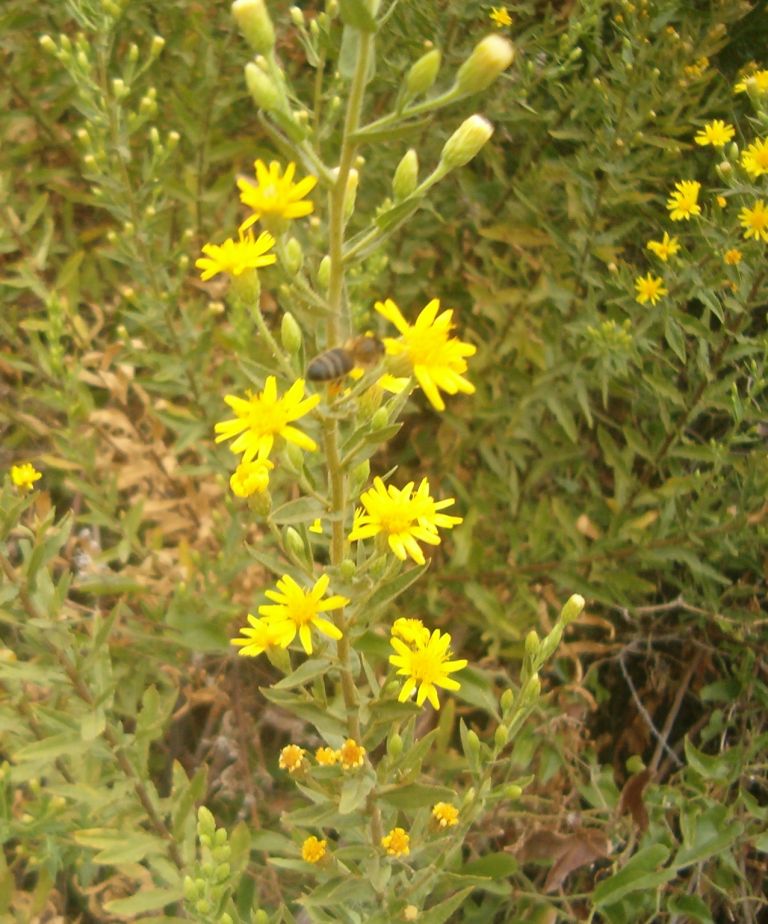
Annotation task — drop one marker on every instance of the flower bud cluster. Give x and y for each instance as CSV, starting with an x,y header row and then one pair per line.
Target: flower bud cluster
x,y
207,891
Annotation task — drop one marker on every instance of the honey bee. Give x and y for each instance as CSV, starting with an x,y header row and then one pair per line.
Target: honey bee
x,y
365,350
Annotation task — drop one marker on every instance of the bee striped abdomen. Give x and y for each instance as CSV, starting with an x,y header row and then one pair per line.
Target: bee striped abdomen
x,y
332,364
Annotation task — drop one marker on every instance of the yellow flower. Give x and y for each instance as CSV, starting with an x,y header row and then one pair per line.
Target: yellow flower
x,y
351,754
649,289
755,221
732,257
697,68
717,133
757,79
432,355
299,608
682,203
326,757
754,159
665,248
445,814
397,843
291,758
235,257
500,16
313,850
404,517
251,478
317,526
721,201
260,418
275,196
411,631
426,666
24,476
262,634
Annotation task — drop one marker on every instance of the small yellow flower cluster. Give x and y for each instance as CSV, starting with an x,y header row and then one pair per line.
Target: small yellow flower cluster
x,y
293,611
350,756
423,658
445,814
403,517
24,476
397,843
313,850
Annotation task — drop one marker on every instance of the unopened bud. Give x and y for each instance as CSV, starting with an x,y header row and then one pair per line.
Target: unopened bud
x,y
380,419
119,88
173,140
466,142
206,824
473,743
395,745
423,73
47,44
254,24
297,17
293,542
406,176
359,476
293,258
347,569
532,689
506,700
513,792
324,272
133,52
263,91
290,334
350,193
501,736
158,43
489,58
532,644
294,456
572,609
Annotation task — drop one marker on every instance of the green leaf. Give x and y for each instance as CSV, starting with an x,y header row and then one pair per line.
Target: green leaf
x,y
640,874
355,791
314,667
303,510
148,900
416,795
675,338
328,724
691,908
706,834
724,767
438,914
493,865
393,588
116,846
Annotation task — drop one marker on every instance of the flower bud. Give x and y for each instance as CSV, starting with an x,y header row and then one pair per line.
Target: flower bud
x,y
732,151
473,743
532,644
133,52
324,272
254,24
293,542
395,745
501,736
158,43
489,58
423,73
290,333
531,690
189,888
466,142
206,824
572,609
359,476
380,419
297,17
294,457
347,569
350,193
506,700
173,140
264,93
119,88
47,44
406,176
513,792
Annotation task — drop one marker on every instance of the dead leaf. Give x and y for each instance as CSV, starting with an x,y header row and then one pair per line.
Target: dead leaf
x,y
632,799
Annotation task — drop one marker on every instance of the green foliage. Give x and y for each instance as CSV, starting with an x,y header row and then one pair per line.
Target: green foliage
x,y
611,448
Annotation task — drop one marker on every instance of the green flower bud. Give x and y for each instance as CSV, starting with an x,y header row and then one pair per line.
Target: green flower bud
x,y
423,73
532,644
489,58
260,917
395,745
572,609
220,837
119,89
206,824
263,92
297,17
347,569
380,419
513,792
222,872
324,272
290,334
294,256
466,142
732,151
532,689
501,736
294,456
473,743
254,24
350,193
293,541
190,889
469,795
158,43
506,700
226,919
203,906
47,44
359,476
133,52
173,140
406,176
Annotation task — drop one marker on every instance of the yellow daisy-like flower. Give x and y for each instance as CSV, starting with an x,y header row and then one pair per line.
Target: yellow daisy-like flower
x,y
251,478
426,667
260,418
235,257
665,248
682,203
500,16
326,757
755,221
275,195
757,79
717,133
299,608
403,517
436,359
445,814
313,850
261,634
397,843
649,289
732,257
24,476
721,201
754,158
351,754
291,758
411,631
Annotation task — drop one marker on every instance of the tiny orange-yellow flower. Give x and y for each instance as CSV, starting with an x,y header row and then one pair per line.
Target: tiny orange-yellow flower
x,y
397,842
313,850
291,758
351,754
445,814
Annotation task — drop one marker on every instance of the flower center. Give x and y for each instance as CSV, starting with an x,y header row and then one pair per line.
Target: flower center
x,y
424,667
398,518
425,346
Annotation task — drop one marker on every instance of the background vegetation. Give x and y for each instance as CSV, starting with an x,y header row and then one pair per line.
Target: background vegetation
x,y
613,449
